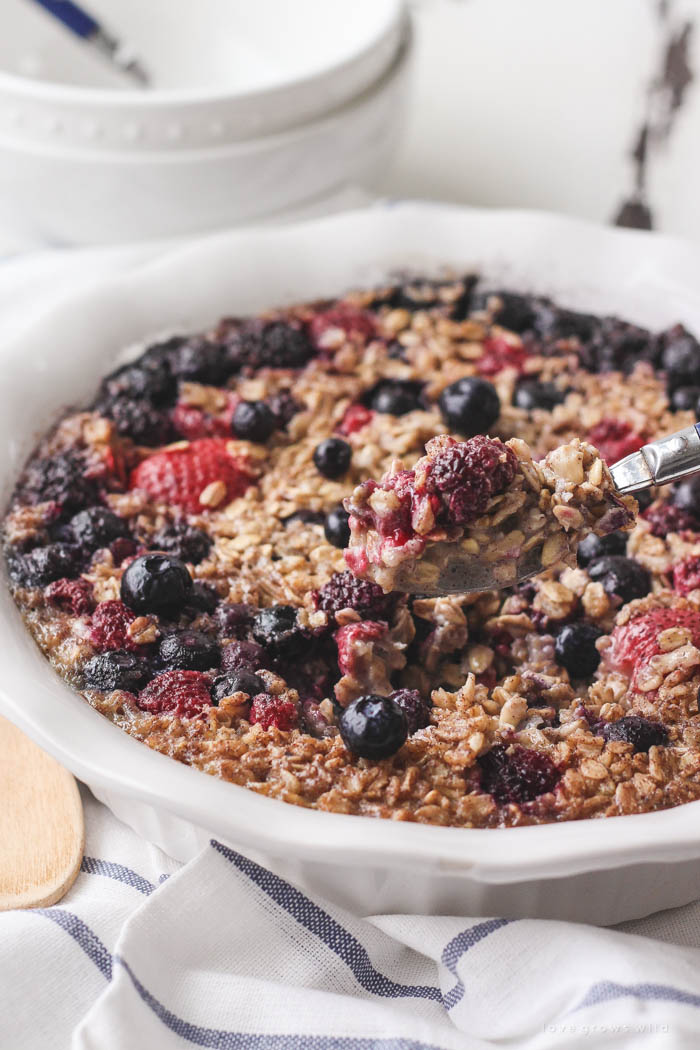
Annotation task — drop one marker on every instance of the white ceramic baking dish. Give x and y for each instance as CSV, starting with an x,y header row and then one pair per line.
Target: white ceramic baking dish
x,y
599,871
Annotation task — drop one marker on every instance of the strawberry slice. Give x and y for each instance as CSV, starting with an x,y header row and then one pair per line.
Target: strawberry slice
x,y
636,642
180,476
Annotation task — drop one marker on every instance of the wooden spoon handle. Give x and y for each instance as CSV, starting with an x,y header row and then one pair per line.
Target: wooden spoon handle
x,y
42,832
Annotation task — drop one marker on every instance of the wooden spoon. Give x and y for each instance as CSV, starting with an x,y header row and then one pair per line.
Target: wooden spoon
x,y
42,832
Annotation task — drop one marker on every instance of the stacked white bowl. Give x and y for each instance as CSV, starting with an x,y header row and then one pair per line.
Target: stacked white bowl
x,y
251,110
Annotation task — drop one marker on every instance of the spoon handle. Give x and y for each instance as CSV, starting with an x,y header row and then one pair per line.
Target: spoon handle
x,y
660,462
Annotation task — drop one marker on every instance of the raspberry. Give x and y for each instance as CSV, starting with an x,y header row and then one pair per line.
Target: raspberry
x,y
499,353
180,476
348,318
185,693
614,439
636,642
73,595
354,640
665,517
193,423
108,629
345,591
516,775
686,575
268,711
468,473
356,417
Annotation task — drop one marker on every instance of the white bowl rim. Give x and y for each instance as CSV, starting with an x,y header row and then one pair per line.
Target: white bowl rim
x,y
104,755
47,91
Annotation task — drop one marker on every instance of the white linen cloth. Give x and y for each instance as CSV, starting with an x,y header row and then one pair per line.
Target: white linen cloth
x,y
221,953
146,954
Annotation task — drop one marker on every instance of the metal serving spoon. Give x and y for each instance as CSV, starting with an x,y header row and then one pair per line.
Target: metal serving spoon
x,y
658,463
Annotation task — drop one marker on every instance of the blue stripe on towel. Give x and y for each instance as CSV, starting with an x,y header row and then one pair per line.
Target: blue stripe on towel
x,y
327,929
111,870
458,947
91,944
606,991
219,1039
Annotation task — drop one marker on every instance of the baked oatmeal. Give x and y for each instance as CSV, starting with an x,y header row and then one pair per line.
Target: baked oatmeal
x,y
480,510
177,551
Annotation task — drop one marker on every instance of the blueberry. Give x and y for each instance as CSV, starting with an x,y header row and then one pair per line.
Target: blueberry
x,y
242,656
253,421
97,527
116,670
156,583
686,495
236,682
531,394
470,406
592,547
60,479
283,407
638,731
203,598
623,578
307,517
189,651
234,618
183,540
332,457
685,399
277,630
139,420
336,527
575,649
45,564
373,726
681,359
416,710
395,397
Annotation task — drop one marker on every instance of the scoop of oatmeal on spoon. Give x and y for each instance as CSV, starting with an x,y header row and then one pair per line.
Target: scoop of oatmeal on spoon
x,y
480,514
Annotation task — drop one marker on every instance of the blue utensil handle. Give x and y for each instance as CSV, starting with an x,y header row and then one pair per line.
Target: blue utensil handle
x,y
72,16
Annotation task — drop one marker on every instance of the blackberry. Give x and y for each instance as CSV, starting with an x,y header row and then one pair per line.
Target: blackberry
x,y
337,528
97,527
680,358
416,710
271,344
617,346
158,583
60,479
189,651
234,618
149,379
640,732
515,312
622,578
277,630
395,397
45,564
116,670
203,598
575,649
685,399
236,682
253,421
345,591
686,495
518,774
373,727
139,420
470,406
197,360
332,457
185,541
283,407
592,547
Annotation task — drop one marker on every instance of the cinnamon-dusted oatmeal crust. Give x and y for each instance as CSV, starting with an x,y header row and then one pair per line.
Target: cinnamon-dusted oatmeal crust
x,y
480,503
180,561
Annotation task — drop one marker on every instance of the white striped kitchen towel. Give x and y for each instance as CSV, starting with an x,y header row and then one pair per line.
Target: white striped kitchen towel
x,y
222,953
